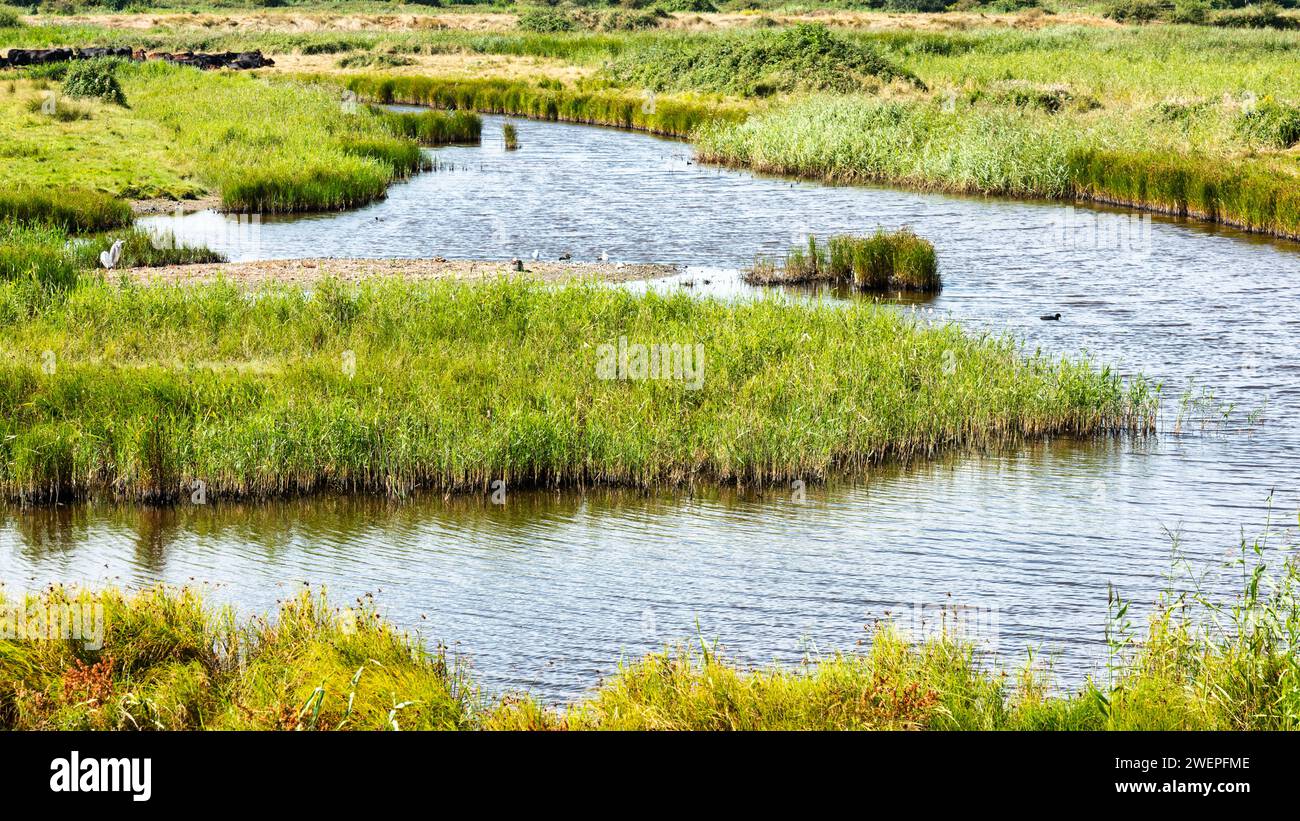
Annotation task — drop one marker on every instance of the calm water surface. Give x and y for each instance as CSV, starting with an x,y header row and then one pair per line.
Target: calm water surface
x,y
549,591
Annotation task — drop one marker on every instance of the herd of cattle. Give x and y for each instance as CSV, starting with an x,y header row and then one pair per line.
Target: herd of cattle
x,y
41,56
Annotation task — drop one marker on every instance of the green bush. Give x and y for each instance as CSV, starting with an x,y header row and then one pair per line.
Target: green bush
x,y
1134,11
687,6
805,57
1190,12
9,18
95,79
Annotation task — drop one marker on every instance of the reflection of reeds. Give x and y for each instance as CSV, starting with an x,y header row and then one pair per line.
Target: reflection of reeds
x,y
391,386
898,260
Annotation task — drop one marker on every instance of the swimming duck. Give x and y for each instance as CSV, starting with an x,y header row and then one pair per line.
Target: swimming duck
x,y
1050,317
566,256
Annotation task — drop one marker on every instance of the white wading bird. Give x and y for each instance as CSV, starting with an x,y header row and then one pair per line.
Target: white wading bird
x,y
112,256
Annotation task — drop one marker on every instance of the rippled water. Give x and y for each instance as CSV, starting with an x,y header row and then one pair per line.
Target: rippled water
x,y
549,591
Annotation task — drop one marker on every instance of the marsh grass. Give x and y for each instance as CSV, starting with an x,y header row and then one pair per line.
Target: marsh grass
x,y
292,147
676,115
885,261
453,386
171,662
432,127
52,258
71,209
510,134
1200,665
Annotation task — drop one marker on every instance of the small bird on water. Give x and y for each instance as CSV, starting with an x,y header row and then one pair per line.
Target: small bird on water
x,y
566,256
1050,317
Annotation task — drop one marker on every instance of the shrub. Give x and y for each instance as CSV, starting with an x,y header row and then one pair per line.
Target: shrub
x,y
806,57
544,20
898,260
1262,16
1133,11
1190,12
1272,123
9,18
688,6
95,79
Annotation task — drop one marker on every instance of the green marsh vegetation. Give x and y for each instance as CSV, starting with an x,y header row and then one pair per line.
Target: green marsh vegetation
x,y
510,133
885,261
168,660
392,386
263,145
676,115
1200,664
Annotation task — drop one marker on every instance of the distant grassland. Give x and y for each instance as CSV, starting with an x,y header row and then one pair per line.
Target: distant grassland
x,y
1162,117
395,385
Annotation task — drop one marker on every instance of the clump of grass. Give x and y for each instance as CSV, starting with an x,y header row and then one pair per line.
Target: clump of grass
x,y
432,127
885,261
95,79
1272,123
57,108
454,372
1134,11
510,134
807,57
35,255
546,20
10,18
170,662
71,209
375,60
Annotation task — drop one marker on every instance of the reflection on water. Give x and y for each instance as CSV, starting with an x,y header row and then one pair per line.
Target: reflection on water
x,y
549,591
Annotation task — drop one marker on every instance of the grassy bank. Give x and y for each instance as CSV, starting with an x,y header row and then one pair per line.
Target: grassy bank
x,y
675,115
264,146
163,659
396,385
166,661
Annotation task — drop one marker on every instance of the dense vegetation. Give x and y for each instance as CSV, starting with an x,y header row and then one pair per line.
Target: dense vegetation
x,y
396,385
897,260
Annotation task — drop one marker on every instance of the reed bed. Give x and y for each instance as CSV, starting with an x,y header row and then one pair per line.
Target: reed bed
x,y
168,661
885,261
432,127
392,385
674,115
